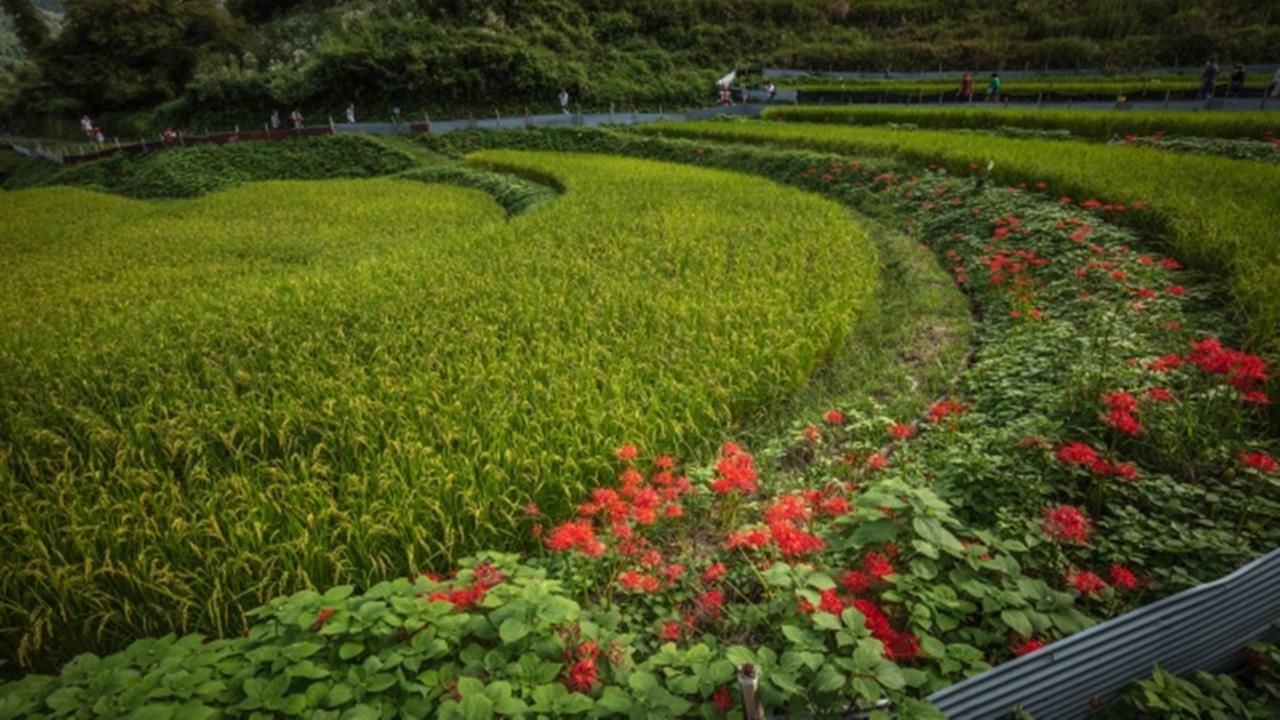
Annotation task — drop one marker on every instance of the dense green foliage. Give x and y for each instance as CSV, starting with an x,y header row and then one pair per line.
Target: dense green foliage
x,y
1216,213
457,56
344,381
190,171
1251,694
1094,124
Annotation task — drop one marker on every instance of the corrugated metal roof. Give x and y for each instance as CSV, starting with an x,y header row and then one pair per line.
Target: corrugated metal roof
x,y
1203,628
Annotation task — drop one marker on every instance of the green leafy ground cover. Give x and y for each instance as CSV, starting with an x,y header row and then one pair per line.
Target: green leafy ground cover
x,y
1065,478
1093,124
1215,213
291,384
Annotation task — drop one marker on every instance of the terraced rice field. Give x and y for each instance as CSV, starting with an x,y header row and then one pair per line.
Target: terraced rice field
x,y
207,403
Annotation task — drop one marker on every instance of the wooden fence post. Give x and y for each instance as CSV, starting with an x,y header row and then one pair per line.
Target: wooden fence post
x,y
749,682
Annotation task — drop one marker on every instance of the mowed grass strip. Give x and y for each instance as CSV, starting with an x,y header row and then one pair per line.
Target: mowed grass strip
x,y
1217,214
208,403
1092,124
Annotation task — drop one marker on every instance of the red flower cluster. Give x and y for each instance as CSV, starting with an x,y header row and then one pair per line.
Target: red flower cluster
x,y
941,409
483,578
855,582
1165,364
714,573
670,631
1026,647
1082,454
583,674
1123,407
877,566
722,700
576,535
1123,578
322,618
792,541
627,453
1086,582
735,471
1065,523
710,604
834,417
1244,371
901,431
638,582
1259,461
1159,394
898,646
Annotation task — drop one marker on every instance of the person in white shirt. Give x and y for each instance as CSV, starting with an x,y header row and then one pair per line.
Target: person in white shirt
x,y
275,119
564,101
351,113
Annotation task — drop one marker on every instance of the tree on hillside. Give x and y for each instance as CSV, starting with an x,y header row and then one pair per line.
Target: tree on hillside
x,y
31,30
124,53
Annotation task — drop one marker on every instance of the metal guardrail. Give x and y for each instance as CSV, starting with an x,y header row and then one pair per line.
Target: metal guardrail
x,y
1203,628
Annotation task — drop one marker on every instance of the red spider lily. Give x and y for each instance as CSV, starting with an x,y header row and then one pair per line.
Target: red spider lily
x,y
1169,263
670,631
811,433
1259,461
322,618
1123,578
710,604
627,453
877,462
1176,290
1243,370
834,506
1077,454
1122,405
633,581
830,602
834,417
787,507
735,472
792,541
877,566
576,535
855,582
722,700
750,539
941,409
1256,397
672,573
1159,394
1026,647
1165,364
714,573
582,676
1065,523
1086,583
664,462
901,431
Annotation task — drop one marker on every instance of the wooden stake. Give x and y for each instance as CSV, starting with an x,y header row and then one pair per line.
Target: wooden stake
x,y
749,681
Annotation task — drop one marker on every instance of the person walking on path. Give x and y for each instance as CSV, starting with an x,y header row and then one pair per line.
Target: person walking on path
x,y
563,98
993,90
275,119
296,118
965,93
772,89
86,125
395,117
351,113
98,137
1210,76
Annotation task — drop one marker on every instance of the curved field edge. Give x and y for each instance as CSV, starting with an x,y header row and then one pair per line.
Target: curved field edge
x,y
267,441
1095,124
512,647
1215,213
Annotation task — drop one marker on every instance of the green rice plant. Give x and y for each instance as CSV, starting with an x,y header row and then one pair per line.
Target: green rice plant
x,y
1215,213
208,403
1094,124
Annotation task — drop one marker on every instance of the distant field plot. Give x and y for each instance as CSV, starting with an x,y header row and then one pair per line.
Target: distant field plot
x,y
206,403
1093,124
